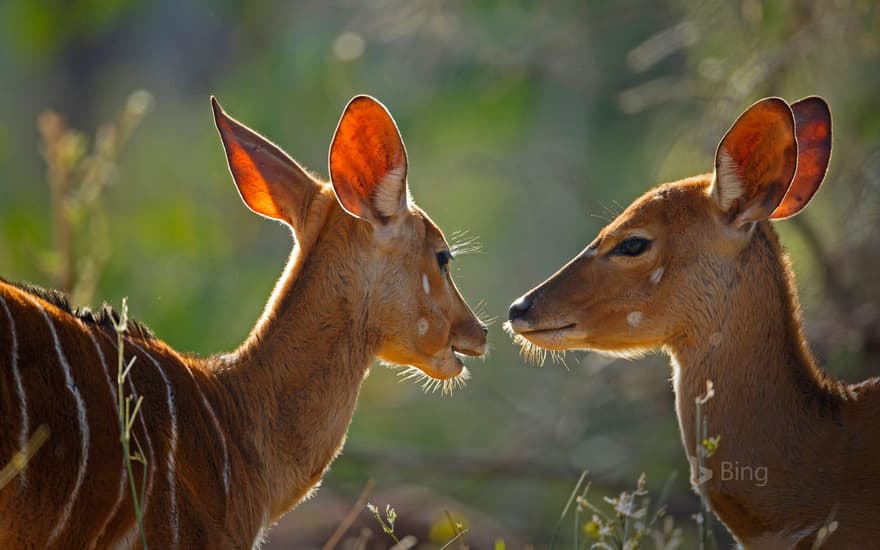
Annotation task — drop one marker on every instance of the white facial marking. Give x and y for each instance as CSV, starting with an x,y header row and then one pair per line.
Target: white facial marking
x,y
170,461
727,185
715,339
634,318
389,197
19,388
426,285
83,427
657,274
422,326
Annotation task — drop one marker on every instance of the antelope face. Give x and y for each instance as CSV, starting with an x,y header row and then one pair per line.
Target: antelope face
x,y
614,296
672,254
424,321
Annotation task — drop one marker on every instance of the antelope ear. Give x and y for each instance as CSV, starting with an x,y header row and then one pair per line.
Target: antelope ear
x,y
755,162
368,162
812,126
270,182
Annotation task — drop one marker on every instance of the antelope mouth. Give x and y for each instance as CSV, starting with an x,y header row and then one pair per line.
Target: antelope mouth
x,y
557,337
527,332
468,352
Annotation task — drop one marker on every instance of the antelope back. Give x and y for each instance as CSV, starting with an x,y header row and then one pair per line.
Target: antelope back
x,y
58,369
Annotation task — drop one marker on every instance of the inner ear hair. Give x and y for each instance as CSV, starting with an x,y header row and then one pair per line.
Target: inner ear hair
x,y
733,189
368,162
755,162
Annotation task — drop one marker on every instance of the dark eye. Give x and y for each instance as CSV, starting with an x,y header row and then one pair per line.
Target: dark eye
x,y
443,258
632,246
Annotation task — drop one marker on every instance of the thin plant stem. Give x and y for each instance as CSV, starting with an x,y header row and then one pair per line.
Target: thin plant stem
x,y
571,498
20,459
349,518
127,416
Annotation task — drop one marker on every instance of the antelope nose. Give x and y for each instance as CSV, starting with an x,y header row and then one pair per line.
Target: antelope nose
x,y
519,308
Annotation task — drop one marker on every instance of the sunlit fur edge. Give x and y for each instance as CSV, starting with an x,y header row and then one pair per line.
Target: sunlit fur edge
x,y
429,384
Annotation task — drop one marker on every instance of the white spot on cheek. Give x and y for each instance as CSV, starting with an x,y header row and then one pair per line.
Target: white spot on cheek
x,y
422,326
634,318
426,286
657,275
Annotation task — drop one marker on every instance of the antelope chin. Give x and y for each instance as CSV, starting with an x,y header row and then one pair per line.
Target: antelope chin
x,y
445,372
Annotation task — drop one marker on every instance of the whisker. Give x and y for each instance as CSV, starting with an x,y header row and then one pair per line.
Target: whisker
x,y
433,385
533,353
461,242
480,313
527,350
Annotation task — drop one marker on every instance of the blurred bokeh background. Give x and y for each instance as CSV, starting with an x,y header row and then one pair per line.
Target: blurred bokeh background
x,y
528,125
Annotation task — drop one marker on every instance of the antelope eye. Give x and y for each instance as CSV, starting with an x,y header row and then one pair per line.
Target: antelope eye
x,y
443,258
632,246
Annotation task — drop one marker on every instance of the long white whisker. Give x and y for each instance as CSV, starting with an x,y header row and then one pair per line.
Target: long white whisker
x,y
432,385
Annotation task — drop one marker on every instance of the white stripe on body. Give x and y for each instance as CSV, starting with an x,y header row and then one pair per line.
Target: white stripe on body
x,y
120,496
127,540
19,387
172,411
216,421
81,419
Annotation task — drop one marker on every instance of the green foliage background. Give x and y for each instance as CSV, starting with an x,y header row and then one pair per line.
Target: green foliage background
x,y
528,124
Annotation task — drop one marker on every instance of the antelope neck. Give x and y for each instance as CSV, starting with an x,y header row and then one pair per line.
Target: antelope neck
x,y
772,406
293,385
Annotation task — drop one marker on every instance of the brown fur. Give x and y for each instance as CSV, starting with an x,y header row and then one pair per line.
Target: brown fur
x,y
352,291
726,310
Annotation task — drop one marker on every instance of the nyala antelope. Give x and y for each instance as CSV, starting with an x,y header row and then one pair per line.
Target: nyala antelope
x,y
235,440
695,268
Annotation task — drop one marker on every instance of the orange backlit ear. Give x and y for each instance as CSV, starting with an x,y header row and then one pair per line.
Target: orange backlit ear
x,y
755,162
812,124
269,181
368,162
